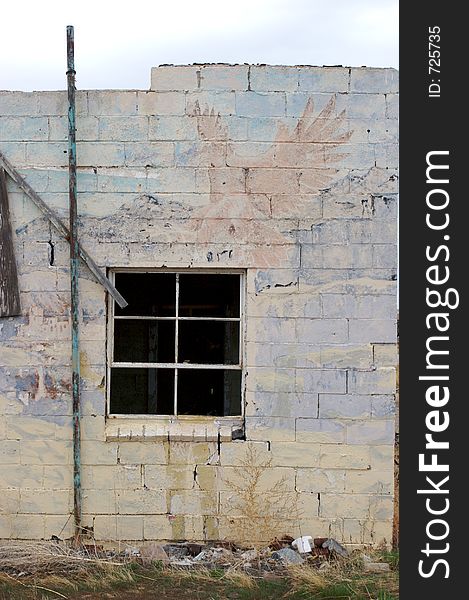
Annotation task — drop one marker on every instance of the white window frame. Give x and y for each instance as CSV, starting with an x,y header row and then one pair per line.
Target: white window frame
x,y
172,418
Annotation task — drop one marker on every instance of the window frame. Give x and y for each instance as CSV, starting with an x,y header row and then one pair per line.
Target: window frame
x,y
172,418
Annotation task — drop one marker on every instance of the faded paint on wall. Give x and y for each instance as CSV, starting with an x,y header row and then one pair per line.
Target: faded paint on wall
x,y
288,172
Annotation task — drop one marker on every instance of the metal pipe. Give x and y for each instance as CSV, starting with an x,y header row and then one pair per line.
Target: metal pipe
x,y
74,270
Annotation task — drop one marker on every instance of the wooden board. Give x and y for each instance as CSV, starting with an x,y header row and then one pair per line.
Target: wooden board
x,y
9,290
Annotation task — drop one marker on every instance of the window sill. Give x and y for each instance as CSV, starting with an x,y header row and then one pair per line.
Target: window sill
x,y
185,428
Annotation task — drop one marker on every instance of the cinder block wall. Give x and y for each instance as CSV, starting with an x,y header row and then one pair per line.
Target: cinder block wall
x,y
287,172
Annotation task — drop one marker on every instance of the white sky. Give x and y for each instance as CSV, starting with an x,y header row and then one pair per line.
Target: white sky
x,y
117,42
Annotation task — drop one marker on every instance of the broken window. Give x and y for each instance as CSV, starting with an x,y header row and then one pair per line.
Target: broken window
x,y
176,348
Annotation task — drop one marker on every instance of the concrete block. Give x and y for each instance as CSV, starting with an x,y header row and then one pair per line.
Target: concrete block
x,y
254,104
21,476
346,356
106,154
271,330
305,206
179,180
49,502
374,131
392,106
112,102
296,103
56,103
381,457
98,453
379,81
336,257
57,477
267,181
324,79
222,181
170,77
161,103
173,477
358,307
295,454
159,527
281,306
320,480
381,381
270,380
59,525
373,433
237,453
372,330
29,428
385,208
322,381
370,482
383,407
15,153
9,452
281,404
270,428
344,456
167,128
46,452
182,453
200,154
121,129
129,527
344,406
100,502
320,431
18,103
23,129
386,156
319,331
86,128
250,154
47,154
256,477
347,505
152,453
27,527
266,78
150,154
385,355
207,106
381,508
362,106
143,501
271,129
193,502
224,77
10,503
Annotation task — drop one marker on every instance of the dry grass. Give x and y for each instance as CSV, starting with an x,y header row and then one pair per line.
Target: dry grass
x,y
263,512
50,558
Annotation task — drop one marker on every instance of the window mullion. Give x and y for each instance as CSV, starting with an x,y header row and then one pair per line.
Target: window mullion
x,y
176,348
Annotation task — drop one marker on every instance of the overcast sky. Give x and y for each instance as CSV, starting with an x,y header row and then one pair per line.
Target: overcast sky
x,y
117,42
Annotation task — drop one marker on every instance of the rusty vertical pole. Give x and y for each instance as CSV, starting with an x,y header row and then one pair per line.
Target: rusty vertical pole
x,y
74,264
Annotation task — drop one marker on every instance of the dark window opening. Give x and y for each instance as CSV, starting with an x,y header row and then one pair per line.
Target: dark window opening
x,y
176,346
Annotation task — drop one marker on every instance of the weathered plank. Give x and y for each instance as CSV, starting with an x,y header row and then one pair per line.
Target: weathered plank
x,y
61,228
9,290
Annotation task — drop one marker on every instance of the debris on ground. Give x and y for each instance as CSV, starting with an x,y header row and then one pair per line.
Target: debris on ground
x,y
29,558
334,547
288,556
376,567
153,553
302,544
